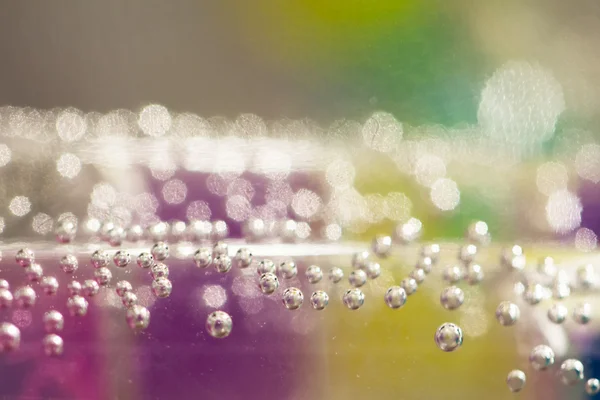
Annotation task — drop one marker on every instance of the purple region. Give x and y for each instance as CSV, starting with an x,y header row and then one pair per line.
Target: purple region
x,y
589,194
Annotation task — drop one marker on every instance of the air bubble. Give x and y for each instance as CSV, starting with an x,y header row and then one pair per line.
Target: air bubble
x,y
243,257
319,300
100,259
448,337
557,313
314,274
268,283
103,276
507,313
138,317
288,270
122,258
592,386
74,287
357,278
418,275
453,273
222,263
77,306
266,266
159,270
541,357
219,324
474,274
409,285
53,345
516,380
534,294
582,313
69,264
90,288
25,297
292,298
34,272
203,257
10,337
360,260
395,297
123,287
336,274
452,297
162,287
571,371
6,298
53,321
354,299
381,246
160,251
25,257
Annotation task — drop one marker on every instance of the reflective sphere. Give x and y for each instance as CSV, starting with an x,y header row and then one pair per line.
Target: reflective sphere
x,y
586,276
34,272
507,313
357,278
10,337
561,290
219,324
582,313
160,251
425,263
360,260
53,321
90,288
534,293
474,274
103,276
135,233
373,270
116,236
4,284
25,257
162,287
409,285
541,357
452,297
336,274
6,298
314,274
288,270
418,275
547,267
395,297
467,253
453,273
266,266
69,264
203,257
74,287
516,380
243,257
138,317
478,233
129,299
100,258
557,313
448,337
382,245
292,298
222,264
122,287
122,258
431,251
592,386
220,249
145,260
159,270
353,299
66,231
571,371
53,345
319,300
77,306
49,285
25,297
268,283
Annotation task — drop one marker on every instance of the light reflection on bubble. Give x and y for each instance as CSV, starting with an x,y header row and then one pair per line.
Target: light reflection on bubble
x,y
445,194
174,191
587,162
563,211
155,120
238,208
20,206
585,239
214,296
5,154
42,223
551,177
198,211
68,165
70,125
306,203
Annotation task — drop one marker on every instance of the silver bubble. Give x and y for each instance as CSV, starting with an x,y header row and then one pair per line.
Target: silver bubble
x,y
53,345
582,313
474,274
74,287
6,298
268,283
425,263
336,274
547,267
10,337
103,276
162,287
478,233
288,270
99,259
516,380
53,321
319,300
266,266
314,274
4,284
90,288
382,245
418,275
220,230
66,231
541,357
135,233
448,337
122,258
222,263
292,298
160,251
507,313
592,386
25,257
34,272
178,230
129,299
353,299
203,257
158,231
560,290
467,253
145,260
395,297
452,297
360,260
49,285
116,236
243,257
586,276
25,297
453,273
373,270
220,249
431,251
513,258
69,264
219,324
138,317
557,313
123,287
409,231
159,270
357,278
534,293
409,285
77,306
571,371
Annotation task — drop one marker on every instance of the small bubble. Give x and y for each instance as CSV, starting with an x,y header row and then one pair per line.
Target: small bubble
x,y
292,298
4,284
265,266
448,337
10,337
90,288
103,276
357,278
220,249
243,257
25,297
288,270
53,345
134,233
336,274
474,274
314,274
69,264
160,251
123,287
66,231
77,305
409,285
467,253
373,270
541,357
507,313
561,290
74,288
162,287
478,232
382,245
547,267
6,298
360,259
571,371
138,317
34,272
586,276
53,321
159,270
582,313
145,260
222,263
268,283
516,380
453,273
25,257
129,299
425,263
534,293
100,259
557,313
319,300
203,257
219,324
122,258
395,297
452,297
116,236
353,299
431,251
418,275
592,386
